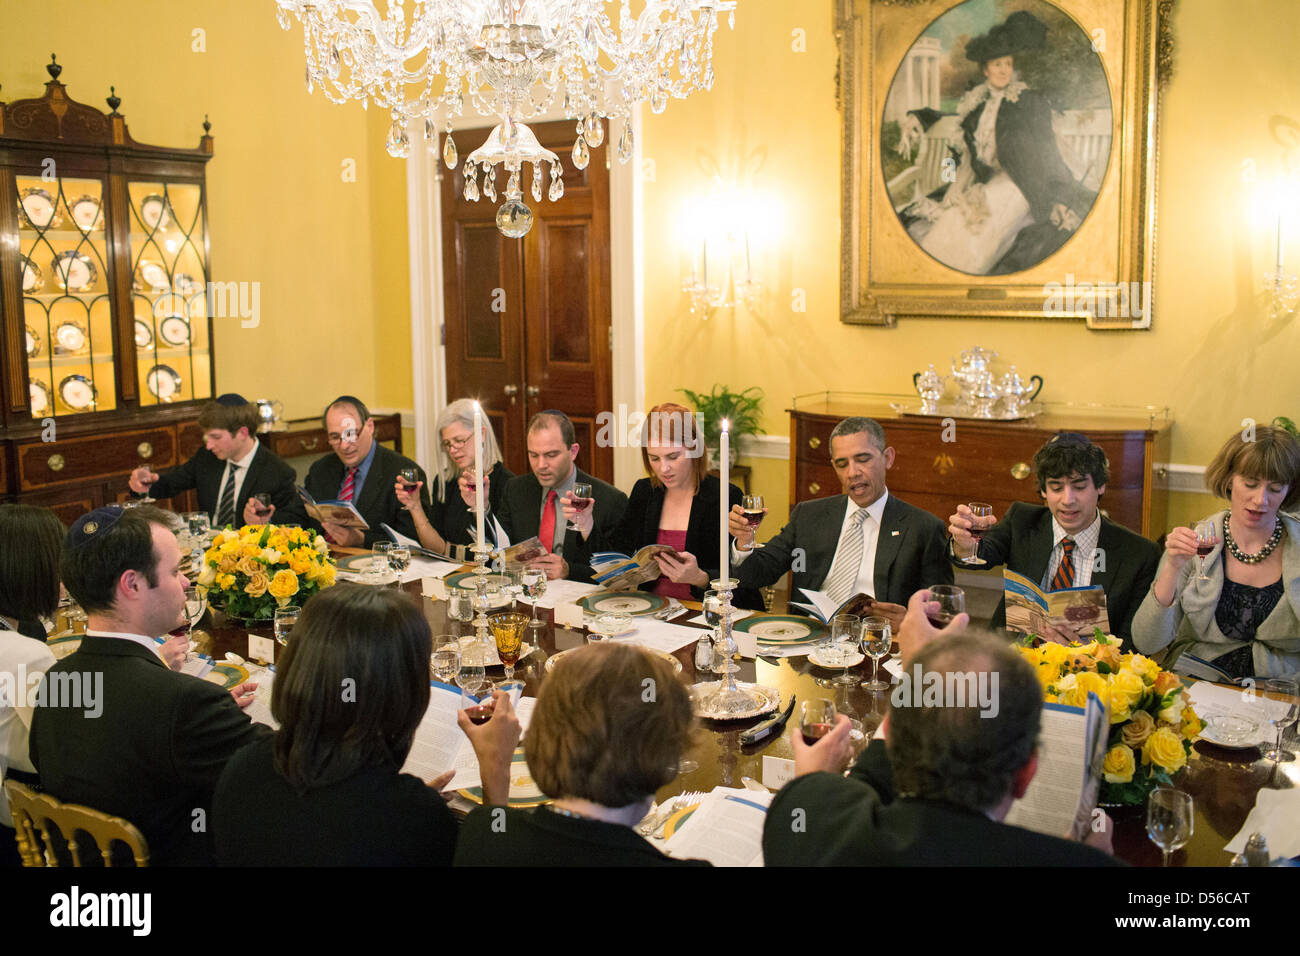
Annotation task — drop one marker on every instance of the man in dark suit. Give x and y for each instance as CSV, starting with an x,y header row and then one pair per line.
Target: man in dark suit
x,y
142,742
936,791
534,503
1035,540
229,470
364,472
864,540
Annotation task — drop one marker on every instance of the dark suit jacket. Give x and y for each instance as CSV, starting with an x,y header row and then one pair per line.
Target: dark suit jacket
x,y
824,819
542,837
268,473
906,562
454,520
640,526
152,756
1022,541
521,518
376,817
376,499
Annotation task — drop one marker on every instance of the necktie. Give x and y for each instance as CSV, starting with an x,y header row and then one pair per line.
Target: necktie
x,y
226,503
848,560
349,485
1064,577
547,532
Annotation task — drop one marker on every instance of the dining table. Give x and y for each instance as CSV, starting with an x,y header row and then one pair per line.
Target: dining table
x,y
1224,783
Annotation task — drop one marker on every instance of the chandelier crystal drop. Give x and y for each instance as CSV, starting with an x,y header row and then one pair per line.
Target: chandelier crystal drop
x,y
514,60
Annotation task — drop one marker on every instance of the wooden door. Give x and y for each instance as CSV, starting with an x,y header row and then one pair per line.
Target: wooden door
x,y
528,321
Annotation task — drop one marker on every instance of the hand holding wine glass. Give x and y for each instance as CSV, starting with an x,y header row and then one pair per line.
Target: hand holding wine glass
x,y
141,480
754,510
258,509
1207,537
822,740
577,508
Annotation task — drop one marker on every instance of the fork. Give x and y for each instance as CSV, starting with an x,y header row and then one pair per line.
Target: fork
x,y
659,817
683,800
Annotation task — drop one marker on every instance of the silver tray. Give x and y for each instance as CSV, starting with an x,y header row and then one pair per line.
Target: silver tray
x,y
953,410
771,700
671,659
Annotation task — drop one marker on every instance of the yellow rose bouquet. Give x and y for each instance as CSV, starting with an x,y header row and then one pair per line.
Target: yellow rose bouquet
x,y
1152,723
251,571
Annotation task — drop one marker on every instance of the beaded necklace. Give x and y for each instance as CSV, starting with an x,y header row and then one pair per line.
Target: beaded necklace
x,y
1269,546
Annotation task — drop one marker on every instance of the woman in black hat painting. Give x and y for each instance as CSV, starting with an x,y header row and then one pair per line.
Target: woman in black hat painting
x,y
1014,201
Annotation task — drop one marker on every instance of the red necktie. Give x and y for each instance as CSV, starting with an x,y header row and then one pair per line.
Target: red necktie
x,y
547,532
1064,577
349,485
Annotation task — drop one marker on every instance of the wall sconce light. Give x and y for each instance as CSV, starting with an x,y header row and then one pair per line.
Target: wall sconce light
x,y
706,298
1281,289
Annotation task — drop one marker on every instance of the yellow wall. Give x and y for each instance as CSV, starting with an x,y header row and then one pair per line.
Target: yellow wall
x,y
331,256
771,121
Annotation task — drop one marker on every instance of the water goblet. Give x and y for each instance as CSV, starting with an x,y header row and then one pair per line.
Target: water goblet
x,y
284,621
1169,819
846,634
877,639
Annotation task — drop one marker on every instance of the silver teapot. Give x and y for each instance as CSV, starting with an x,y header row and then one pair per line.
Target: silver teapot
x,y
976,362
268,412
1015,393
930,385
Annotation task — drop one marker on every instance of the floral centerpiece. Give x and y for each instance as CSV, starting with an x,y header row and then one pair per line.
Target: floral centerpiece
x,y
252,571
1152,723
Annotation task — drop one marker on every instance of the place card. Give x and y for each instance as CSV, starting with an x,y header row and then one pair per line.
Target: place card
x,y
435,588
568,614
777,772
261,648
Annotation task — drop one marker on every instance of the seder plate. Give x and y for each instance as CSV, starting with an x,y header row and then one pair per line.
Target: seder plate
x,y
559,655
770,700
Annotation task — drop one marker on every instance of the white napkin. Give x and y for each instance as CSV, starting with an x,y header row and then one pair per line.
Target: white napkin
x,y
1277,816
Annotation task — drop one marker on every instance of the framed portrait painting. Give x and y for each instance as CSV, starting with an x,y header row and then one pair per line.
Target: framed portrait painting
x,y
999,158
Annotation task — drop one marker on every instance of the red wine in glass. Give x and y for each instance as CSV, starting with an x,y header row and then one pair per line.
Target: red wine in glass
x,y
1203,548
263,504
940,620
752,508
754,518
479,713
814,732
409,478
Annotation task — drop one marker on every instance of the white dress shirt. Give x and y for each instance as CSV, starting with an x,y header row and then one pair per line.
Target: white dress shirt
x,y
241,472
147,642
1085,552
21,660
866,581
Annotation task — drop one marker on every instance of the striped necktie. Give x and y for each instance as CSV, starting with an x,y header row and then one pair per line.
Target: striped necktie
x,y
848,560
226,503
1064,577
349,485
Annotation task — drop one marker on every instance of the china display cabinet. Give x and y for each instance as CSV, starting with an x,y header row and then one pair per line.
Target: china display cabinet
x,y
104,272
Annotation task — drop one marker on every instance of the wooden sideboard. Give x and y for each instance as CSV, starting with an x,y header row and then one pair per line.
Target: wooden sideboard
x,y
306,436
984,460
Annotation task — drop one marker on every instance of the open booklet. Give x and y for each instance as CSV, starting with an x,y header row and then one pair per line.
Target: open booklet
x,y
1029,607
339,512
440,745
411,544
1063,793
825,610
619,572
726,829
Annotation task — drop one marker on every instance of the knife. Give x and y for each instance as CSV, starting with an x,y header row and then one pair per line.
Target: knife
x,y
767,728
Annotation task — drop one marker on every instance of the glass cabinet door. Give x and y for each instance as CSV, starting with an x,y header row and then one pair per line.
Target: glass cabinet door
x,y
169,283
65,288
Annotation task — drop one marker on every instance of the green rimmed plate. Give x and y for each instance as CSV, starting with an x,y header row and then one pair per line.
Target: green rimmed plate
x,y
226,676
636,603
61,647
358,563
782,628
523,791
674,822
468,581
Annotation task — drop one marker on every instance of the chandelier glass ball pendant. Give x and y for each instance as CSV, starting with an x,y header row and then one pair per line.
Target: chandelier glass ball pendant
x,y
514,60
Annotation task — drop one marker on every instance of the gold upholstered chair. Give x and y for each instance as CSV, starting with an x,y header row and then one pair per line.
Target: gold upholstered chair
x,y
59,823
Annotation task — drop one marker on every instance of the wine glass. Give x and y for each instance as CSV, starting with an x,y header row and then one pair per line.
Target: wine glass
x,y
383,549
470,677
146,499
1169,819
263,504
877,639
1207,536
284,621
816,719
581,500
979,510
1279,699
479,711
952,601
196,604
512,583
508,630
445,661
846,634
200,526
534,584
410,477
399,559
754,509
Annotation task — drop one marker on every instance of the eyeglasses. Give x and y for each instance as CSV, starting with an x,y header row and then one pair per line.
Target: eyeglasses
x,y
456,444
350,436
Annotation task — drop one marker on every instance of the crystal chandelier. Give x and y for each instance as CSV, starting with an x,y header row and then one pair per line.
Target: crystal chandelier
x,y
511,59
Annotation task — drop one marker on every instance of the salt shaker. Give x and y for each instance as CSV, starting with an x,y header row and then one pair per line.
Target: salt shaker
x,y
1257,850
704,653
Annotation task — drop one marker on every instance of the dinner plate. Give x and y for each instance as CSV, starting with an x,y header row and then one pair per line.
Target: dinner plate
x,y
33,343
143,334
360,563
559,655
86,212
1232,732
74,271
523,789
61,647
77,392
674,822
468,581
154,212
226,675
33,278
636,603
853,660
40,395
70,336
151,275
781,628
37,208
185,284
163,382
174,330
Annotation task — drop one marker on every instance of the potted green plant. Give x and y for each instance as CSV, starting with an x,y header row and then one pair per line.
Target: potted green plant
x,y
741,410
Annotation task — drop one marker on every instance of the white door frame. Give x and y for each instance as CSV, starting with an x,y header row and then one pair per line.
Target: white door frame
x,y
424,172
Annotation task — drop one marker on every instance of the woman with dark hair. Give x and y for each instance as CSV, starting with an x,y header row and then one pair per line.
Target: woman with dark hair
x,y
327,788
600,751
29,567
1244,617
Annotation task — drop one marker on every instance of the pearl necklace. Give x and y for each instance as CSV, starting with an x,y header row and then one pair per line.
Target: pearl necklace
x,y
1269,546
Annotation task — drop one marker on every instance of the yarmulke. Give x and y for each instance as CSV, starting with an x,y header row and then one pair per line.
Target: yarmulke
x,y
232,399
1069,438
93,524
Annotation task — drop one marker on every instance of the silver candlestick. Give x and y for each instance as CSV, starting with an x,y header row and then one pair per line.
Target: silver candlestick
x,y
730,699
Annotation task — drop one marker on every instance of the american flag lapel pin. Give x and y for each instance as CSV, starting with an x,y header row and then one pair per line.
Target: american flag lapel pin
x,y
893,534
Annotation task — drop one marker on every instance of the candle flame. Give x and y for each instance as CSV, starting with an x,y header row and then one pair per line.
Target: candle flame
x,y
726,426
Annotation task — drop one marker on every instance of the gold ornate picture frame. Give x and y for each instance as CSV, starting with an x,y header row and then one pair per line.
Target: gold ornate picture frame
x,y
898,223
